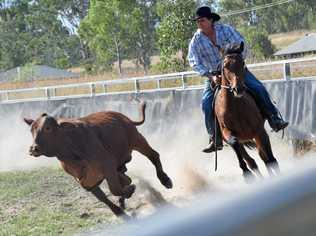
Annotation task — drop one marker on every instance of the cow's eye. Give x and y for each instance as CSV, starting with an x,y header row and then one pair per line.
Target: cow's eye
x,y
48,129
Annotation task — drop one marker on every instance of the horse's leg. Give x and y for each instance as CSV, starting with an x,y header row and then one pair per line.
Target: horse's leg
x,y
265,152
233,142
143,147
99,194
250,161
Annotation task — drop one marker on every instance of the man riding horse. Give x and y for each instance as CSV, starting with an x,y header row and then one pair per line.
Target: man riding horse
x,y
204,57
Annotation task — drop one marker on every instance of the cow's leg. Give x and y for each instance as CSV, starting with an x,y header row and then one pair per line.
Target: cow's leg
x,y
113,180
265,152
99,194
143,147
125,181
250,161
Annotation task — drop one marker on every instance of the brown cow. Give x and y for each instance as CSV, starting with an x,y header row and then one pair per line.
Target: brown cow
x,y
94,148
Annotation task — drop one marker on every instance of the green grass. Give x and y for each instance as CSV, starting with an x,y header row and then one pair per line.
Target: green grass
x,y
48,202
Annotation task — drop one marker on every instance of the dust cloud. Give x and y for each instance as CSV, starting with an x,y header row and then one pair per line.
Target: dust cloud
x,y
15,140
180,148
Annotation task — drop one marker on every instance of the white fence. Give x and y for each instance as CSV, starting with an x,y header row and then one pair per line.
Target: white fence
x,y
134,85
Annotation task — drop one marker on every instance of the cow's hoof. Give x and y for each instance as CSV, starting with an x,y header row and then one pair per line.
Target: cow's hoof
x,y
129,190
122,202
165,180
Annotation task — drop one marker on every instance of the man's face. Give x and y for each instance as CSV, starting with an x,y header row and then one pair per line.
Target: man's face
x,y
204,23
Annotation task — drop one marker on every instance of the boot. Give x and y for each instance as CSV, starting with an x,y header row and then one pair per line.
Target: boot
x,y
277,123
211,146
219,141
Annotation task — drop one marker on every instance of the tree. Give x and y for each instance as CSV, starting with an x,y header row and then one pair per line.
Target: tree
x,y
175,31
31,33
258,42
106,30
285,17
142,28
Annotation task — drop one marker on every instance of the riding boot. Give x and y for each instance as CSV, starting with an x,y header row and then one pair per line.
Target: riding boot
x,y
277,123
211,147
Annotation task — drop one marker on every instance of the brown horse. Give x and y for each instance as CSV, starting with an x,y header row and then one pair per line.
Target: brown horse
x,y
238,115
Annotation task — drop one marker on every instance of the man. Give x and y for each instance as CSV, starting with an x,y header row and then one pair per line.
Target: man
x,y
204,57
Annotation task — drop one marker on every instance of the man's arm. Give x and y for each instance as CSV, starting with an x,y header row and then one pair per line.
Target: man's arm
x,y
195,61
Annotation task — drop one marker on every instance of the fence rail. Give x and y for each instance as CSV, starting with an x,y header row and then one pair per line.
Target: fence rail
x,y
179,81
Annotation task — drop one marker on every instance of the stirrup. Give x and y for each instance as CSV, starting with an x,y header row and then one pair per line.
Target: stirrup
x,y
211,147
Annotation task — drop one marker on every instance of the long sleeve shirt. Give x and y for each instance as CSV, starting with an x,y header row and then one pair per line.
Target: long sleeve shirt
x,y
204,56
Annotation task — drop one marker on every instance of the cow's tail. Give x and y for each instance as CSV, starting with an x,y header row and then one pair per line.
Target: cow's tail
x,y
142,108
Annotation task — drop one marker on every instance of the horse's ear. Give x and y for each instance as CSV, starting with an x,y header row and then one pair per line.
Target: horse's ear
x,y
241,46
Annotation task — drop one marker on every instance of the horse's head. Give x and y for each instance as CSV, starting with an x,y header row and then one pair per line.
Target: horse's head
x,y
233,68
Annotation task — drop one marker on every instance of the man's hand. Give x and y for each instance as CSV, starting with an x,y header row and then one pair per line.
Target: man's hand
x,y
215,79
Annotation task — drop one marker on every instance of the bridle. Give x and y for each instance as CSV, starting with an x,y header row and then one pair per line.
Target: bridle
x,y
220,71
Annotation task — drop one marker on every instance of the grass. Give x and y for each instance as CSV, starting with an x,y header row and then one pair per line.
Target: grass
x,y
47,202
282,40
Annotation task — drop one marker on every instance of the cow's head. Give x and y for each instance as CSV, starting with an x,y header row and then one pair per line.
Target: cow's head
x,y
44,131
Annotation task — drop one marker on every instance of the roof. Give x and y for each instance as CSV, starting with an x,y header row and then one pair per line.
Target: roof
x,y
305,44
35,72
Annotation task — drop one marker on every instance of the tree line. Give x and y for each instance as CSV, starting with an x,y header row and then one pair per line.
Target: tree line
x,y
96,33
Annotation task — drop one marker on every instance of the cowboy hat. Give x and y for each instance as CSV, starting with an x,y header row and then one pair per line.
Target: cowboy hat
x,y
205,11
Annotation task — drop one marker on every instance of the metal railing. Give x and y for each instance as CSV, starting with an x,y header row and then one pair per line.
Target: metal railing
x,y
129,85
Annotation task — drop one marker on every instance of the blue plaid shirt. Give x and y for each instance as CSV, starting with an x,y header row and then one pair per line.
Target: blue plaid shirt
x,y
204,56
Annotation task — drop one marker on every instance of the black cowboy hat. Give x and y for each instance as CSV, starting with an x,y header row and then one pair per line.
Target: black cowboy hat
x,y
205,11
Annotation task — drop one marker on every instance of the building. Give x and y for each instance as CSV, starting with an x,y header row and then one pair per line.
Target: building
x,y
304,46
35,72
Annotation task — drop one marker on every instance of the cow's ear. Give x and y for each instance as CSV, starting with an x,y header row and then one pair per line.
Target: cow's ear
x,y
28,121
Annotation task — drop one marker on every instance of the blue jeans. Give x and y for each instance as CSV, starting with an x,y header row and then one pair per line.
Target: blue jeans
x,y
252,83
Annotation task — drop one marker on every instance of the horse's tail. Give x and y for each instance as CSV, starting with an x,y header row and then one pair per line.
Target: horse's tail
x,y
250,144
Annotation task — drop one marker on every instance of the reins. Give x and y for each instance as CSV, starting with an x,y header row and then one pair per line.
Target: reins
x,y
219,71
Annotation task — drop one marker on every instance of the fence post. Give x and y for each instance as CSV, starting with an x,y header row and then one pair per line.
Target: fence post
x,y
136,85
47,95
158,84
286,71
54,92
6,96
104,88
92,90
184,82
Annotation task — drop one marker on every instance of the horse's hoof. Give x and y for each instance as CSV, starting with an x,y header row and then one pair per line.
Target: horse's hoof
x,y
249,177
258,174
